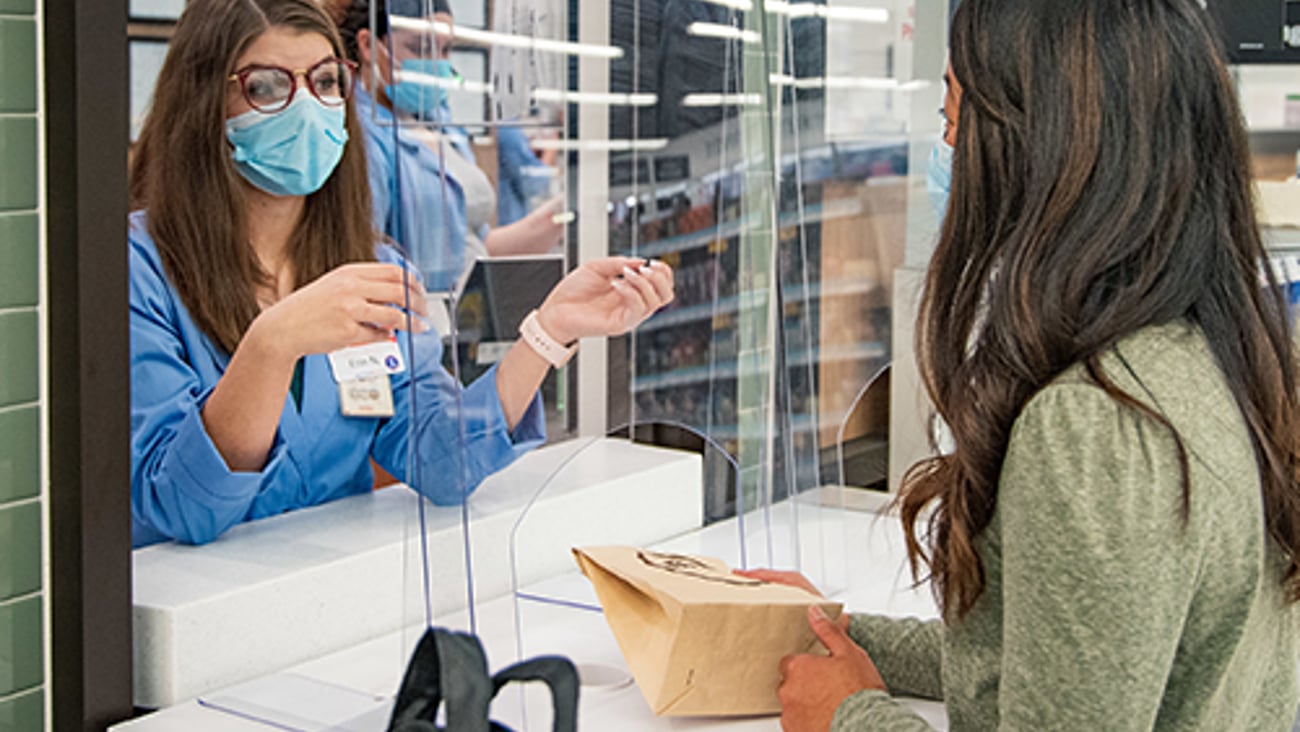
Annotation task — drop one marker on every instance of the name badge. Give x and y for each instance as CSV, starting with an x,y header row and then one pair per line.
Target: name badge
x,y
367,361
369,397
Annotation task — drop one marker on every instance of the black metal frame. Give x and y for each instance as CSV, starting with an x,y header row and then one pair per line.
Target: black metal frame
x,y
86,132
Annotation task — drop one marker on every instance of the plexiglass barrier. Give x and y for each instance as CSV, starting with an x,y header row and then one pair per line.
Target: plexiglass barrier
x,y
764,150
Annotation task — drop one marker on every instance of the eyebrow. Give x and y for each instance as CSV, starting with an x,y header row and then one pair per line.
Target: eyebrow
x,y
947,78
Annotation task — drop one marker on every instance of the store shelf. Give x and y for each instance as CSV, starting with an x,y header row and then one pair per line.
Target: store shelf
x,y
800,423
812,214
733,303
689,375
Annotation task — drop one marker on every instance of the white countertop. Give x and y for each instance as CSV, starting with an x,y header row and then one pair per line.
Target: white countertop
x,y
274,593
359,681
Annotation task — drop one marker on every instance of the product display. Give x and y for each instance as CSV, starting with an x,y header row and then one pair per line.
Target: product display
x,y
841,217
699,640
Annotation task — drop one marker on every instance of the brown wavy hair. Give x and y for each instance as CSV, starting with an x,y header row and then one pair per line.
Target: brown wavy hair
x,y
1101,185
182,172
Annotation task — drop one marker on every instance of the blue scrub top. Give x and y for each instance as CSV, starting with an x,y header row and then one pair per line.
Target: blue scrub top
x,y
426,218
181,487
518,172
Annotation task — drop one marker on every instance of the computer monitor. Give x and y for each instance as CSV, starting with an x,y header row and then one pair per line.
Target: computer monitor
x,y
1259,31
498,294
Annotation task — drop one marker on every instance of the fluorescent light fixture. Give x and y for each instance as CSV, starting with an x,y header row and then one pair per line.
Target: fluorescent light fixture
x,y
595,98
650,144
828,12
741,5
505,40
718,30
722,100
849,82
455,85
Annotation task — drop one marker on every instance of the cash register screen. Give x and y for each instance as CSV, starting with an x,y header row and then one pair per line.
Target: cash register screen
x,y
497,296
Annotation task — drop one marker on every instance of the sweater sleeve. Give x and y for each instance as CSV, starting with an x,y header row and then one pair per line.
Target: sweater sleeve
x,y
908,652
1089,502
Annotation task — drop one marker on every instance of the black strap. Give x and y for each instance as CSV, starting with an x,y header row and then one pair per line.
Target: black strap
x,y
446,666
451,668
559,674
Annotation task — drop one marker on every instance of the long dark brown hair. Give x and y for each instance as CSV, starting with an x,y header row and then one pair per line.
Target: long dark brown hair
x,y
182,172
1101,185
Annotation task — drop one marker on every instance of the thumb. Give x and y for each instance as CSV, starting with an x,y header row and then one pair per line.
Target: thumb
x,y
835,638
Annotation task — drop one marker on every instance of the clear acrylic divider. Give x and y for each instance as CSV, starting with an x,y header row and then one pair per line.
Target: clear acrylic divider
x,y
762,150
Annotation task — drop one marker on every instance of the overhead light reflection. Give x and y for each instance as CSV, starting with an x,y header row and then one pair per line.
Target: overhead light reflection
x,y
718,30
828,12
721,100
505,40
848,82
456,85
741,5
612,99
649,144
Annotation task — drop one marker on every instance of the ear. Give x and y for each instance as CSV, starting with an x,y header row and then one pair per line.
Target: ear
x,y
364,49
370,48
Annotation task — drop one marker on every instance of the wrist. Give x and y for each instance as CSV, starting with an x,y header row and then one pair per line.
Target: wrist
x,y
546,319
261,341
534,334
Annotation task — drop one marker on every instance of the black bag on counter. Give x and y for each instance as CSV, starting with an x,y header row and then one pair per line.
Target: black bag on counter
x,y
450,669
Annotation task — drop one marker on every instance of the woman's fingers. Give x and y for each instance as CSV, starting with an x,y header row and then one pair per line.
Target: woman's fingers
x,y
611,267
661,276
394,293
632,306
382,317
640,279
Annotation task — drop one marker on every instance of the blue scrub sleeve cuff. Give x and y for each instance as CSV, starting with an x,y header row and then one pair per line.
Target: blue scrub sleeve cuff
x,y
531,430
209,475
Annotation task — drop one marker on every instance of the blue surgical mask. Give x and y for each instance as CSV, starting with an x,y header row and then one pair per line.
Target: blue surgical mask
x,y
422,101
292,152
938,179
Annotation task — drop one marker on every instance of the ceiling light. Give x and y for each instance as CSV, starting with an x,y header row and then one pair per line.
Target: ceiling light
x,y
504,40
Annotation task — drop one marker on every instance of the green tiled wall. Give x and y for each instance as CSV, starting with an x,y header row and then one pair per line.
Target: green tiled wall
x,y
20,460
18,181
21,653
18,259
23,712
22,670
17,75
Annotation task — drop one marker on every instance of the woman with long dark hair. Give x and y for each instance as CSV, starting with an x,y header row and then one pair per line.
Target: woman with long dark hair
x,y
253,256
1114,540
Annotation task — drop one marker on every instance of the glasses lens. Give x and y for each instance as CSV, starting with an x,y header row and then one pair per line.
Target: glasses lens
x,y
268,89
331,81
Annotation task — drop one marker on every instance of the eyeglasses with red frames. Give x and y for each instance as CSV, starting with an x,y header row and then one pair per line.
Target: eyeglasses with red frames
x,y
270,89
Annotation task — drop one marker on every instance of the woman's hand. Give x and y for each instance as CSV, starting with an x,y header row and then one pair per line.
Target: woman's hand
x,y
347,306
606,297
781,577
813,687
537,233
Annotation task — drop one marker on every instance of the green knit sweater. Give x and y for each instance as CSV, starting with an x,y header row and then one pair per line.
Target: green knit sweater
x,y
1101,610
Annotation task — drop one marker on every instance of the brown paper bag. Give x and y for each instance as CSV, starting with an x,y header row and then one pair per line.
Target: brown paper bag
x,y
699,639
